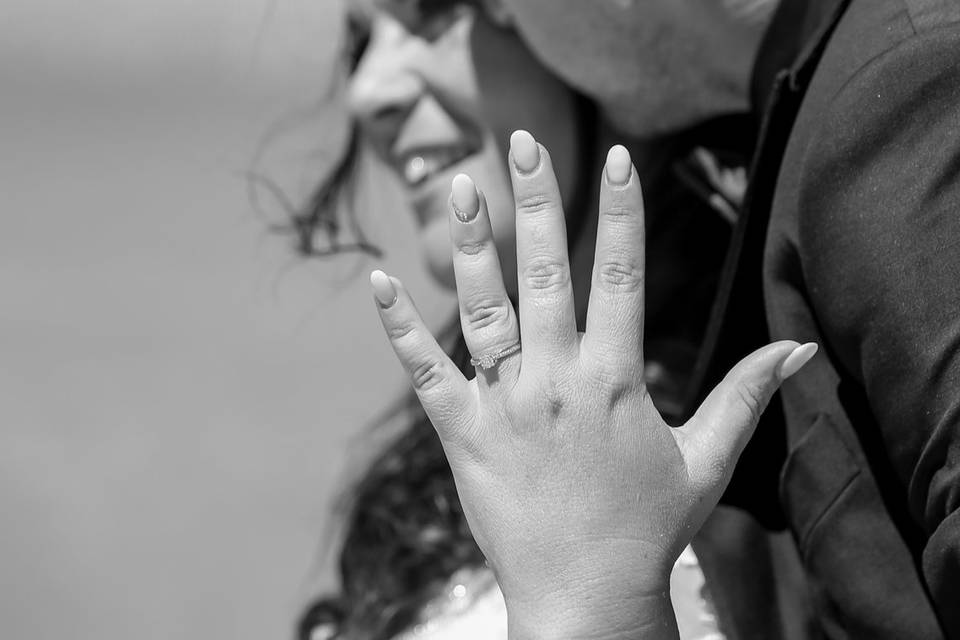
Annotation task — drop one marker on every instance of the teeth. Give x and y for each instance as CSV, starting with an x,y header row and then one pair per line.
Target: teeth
x,y
415,169
418,168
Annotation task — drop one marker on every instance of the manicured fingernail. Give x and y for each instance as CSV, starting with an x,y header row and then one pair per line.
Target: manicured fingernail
x,y
799,357
383,289
465,199
619,166
525,151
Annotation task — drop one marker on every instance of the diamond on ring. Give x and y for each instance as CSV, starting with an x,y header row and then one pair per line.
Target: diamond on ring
x,y
489,360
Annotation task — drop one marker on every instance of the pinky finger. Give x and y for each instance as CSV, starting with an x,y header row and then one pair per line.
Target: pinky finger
x,y
443,391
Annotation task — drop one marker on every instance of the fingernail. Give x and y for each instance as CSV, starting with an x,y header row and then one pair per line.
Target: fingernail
x,y
525,151
619,166
383,289
465,199
799,357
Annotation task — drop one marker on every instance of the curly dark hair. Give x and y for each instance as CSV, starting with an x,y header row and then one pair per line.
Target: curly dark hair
x,y
405,536
325,225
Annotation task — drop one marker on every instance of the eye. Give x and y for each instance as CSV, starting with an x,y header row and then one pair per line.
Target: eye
x,y
437,16
357,39
427,19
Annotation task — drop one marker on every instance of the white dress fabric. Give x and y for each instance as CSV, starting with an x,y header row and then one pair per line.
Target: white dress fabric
x,y
472,607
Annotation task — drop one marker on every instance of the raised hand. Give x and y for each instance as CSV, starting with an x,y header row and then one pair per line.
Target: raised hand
x,y
579,494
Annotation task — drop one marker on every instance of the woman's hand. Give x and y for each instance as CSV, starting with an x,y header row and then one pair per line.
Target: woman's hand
x,y
574,487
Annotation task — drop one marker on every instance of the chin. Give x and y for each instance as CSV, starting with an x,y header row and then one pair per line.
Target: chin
x,y
638,124
443,274
437,253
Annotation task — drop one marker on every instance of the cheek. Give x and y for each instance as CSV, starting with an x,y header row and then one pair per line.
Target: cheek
x,y
517,92
435,244
522,94
493,179
503,220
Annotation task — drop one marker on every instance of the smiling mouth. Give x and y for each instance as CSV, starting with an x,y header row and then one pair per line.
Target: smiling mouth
x,y
419,165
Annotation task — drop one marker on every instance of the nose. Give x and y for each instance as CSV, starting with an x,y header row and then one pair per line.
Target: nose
x,y
386,85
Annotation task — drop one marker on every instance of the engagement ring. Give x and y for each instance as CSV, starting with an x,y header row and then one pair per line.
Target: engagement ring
x,y
490,360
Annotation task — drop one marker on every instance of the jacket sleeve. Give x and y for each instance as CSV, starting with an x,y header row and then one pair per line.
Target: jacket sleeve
x,y
880,245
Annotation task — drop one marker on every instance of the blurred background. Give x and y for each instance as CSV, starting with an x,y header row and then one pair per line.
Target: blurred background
x,y
181,397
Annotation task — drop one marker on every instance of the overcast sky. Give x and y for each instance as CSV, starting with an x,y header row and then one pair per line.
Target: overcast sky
x,y
177,393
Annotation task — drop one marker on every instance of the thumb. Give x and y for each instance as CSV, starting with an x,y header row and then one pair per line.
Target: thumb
x,y
723,424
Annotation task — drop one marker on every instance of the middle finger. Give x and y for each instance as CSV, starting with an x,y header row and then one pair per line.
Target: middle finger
x,y
547,319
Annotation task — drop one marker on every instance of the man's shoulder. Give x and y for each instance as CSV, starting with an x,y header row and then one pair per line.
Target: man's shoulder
x,y
870,32
927,15
825,44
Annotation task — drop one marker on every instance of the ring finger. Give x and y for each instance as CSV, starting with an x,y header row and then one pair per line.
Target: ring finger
x,y
487,317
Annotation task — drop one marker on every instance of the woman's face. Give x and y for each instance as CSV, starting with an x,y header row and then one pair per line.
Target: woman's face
x,y
438,93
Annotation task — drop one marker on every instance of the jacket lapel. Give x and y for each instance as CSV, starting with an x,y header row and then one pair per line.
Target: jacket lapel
x,y
788,56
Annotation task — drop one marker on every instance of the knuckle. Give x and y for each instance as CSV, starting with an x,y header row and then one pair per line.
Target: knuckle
x,y
427,375
753,397
516,416
534,203
619,210
546,275
401,331
537,405
484,314
469,441
613,380
473,247
620,276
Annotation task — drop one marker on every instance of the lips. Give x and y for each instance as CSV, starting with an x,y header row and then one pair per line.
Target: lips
x,y
419,165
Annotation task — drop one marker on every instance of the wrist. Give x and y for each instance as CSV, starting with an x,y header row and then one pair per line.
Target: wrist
x,y
585,614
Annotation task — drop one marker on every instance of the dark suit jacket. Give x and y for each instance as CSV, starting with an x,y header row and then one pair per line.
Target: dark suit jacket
x,y
851,238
